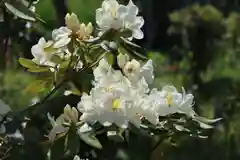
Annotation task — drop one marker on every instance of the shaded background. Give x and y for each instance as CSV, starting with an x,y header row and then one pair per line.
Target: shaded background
x,y
194,43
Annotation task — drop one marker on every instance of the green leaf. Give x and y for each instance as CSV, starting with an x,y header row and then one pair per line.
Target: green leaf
x,y
90,140
132,49
20,10
72,143
130,43
38,69
98,59
110,58
27,63
56,59
65,64
57,149
36,86
206,120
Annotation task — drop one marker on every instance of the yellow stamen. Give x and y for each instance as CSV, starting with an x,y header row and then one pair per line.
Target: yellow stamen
x,y
116,104
107,89
169,99
114,12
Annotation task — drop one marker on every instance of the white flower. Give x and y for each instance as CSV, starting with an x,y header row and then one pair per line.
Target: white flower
x,y
148,111
43,52
61,36
106,109
170,101
113,15
134,22
186,104
112,101
132,69
73,29
101,70
134,72
109,15
161,102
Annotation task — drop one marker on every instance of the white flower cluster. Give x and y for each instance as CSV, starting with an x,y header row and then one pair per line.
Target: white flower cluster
x,y
123,98
111,15
118,97
45,51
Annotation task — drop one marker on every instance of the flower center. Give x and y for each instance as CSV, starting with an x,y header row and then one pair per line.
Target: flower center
x,y
169,99
130,70
116,104
114,13
107,89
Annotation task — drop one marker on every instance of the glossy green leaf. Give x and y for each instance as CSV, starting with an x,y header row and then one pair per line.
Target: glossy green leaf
x,y
27,63
20,10
110,58
130,43
39,69
36,86
57,149
72,143
90,140
98,59
56,59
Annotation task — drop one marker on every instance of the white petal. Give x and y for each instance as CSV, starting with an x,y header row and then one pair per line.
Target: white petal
x,y
147,72
84,128
76,157
42,41
110,4
62,42
121,12
132,8
56,130
37,51
138,34
137,23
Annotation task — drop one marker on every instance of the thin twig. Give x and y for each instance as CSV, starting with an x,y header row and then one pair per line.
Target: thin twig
x,y
45,98
159,143
53,91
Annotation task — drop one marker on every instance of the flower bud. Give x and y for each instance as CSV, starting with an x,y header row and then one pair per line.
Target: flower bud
x,y
67,113
72,22
122,59
89,28
132,67
74,117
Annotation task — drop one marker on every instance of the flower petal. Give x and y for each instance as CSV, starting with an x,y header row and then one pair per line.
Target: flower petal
x,y
138,34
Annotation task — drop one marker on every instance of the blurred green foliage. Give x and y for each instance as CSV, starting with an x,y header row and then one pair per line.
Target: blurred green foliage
x,y
83,8
13,87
